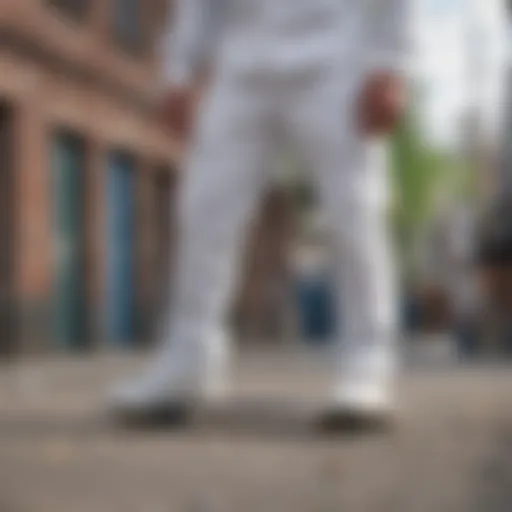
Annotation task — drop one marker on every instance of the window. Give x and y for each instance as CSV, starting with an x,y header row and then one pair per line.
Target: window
x,y
69,163
75,9
129,25
121,250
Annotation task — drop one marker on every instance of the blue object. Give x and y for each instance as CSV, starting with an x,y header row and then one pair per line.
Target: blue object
x,y
412,314
316,309
467,339
121,257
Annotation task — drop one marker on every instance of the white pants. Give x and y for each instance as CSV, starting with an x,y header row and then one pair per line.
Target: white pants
x,y
245,121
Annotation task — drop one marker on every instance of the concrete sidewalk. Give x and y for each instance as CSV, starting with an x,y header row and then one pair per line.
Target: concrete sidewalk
x,y
451,449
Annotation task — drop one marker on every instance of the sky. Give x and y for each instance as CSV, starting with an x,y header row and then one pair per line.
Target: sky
x,y
451,38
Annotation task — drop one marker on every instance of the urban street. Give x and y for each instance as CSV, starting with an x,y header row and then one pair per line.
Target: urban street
x,y
449,449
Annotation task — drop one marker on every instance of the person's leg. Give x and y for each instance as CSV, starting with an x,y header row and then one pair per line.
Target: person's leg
x,y
221,184
351,173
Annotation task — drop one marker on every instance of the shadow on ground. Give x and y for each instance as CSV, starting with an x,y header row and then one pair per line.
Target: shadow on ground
x,y
281,420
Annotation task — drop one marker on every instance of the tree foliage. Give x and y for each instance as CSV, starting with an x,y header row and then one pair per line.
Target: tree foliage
x,y
420,172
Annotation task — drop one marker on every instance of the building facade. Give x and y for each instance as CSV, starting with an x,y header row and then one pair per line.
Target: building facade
x,y
87,171
88,176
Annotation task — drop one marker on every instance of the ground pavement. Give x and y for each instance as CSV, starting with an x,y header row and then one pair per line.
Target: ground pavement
x,y
451,449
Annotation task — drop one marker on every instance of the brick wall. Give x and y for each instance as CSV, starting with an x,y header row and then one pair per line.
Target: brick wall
x,y
263,304
59,74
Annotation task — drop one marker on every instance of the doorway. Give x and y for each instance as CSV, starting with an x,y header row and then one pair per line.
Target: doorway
x,y
68,169
121,249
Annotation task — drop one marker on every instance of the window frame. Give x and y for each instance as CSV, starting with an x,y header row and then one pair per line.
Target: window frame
x,y
135,43
67,10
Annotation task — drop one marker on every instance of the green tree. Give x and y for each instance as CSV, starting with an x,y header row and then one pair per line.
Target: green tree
x,y
420,173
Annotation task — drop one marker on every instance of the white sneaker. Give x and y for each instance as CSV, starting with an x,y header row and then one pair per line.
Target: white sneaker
x,y
366,397
179,377
365,387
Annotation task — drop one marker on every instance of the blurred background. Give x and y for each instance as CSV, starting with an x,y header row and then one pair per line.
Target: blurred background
x,y
88,188
89,181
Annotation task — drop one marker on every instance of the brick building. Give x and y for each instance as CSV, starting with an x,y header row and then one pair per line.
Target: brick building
x,y
86,170
86,173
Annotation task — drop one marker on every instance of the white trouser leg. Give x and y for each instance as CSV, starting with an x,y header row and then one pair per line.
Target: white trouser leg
x,y
353,184
222,182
